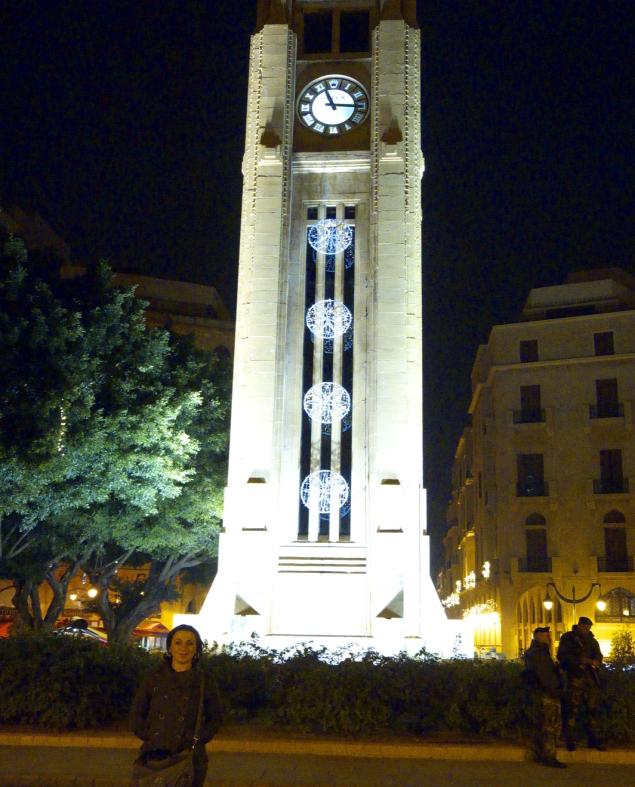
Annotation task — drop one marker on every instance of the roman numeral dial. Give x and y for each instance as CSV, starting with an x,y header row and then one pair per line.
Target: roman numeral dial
x,y
332,105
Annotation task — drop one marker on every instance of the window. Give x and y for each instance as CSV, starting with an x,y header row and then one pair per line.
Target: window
x,y
528,350
349,212
354,31
331,212
531,479
607,401
611,479
620,605
616,554
530,409
603,343
536,546
312,213
318,32
615,518
535,519
333,31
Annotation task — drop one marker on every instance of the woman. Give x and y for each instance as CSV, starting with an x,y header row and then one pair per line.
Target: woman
x,y
166,705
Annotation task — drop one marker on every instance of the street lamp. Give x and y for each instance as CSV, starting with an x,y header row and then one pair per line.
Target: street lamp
x,y
548,603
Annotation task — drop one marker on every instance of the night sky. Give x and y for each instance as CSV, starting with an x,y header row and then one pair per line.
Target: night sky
x,y
122,124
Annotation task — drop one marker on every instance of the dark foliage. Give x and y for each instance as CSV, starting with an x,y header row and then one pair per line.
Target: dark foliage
x,y
60,682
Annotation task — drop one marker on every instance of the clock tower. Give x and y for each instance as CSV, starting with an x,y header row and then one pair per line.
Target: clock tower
x,y
324,535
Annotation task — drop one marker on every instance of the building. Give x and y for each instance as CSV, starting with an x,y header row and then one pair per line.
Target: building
x,y
183,307
325,514
543,483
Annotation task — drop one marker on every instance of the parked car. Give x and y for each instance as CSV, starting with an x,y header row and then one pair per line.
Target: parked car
x,y
78,627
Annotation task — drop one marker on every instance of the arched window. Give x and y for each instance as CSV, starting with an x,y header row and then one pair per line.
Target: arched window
x,y
614,518
535,519
620,606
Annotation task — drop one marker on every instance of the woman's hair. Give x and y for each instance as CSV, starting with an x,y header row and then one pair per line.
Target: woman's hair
x,y
197,637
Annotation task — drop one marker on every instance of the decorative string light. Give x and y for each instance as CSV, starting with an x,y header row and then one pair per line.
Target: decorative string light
x,y
323,490
327,402
328,319
330,236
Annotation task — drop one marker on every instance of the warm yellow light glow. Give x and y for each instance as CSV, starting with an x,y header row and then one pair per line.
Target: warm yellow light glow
x,y
458,585
92,592
547,604
626,612
452,600
486,569
601,605
73,596
470,580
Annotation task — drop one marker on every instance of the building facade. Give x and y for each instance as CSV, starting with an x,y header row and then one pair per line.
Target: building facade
x,y
325,517
543,486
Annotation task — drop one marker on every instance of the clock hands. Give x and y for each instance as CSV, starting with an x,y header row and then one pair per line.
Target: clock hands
x,y
329,99
332,103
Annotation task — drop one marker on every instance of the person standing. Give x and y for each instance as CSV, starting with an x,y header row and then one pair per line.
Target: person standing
x,y
543,678
165,707
580,657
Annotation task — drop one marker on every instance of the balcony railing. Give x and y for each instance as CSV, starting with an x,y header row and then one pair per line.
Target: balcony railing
x,y
530,415
606,410
616,564
532,487
534,565
610,486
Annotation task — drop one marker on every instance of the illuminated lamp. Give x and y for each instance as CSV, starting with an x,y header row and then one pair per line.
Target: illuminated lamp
x,y
327,402
600,605
330,236
547,603
328,319
73,596
324,489
92,592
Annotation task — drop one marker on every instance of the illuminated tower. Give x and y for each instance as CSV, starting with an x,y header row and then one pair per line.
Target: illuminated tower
x,y
324,525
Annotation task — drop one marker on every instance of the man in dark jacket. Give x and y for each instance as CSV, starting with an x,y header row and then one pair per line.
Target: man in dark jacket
x,y
580,657
543,678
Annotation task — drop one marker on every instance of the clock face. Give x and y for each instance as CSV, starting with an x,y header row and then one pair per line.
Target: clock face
x,y
333,105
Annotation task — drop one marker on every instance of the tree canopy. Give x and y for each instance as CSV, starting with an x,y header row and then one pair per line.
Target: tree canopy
x,y
113,435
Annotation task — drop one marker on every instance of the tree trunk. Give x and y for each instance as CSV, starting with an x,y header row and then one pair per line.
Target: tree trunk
x,y
26,600
126,625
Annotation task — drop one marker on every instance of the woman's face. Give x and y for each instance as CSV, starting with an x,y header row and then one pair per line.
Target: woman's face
x,y
183,650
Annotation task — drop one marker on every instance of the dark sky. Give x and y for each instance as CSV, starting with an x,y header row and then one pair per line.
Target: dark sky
x,y
122,123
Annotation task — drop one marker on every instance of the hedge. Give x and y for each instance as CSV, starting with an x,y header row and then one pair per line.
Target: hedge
x,y
60,683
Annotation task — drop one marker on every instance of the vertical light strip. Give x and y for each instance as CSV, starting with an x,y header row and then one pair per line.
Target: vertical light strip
x,y
338,349
318,353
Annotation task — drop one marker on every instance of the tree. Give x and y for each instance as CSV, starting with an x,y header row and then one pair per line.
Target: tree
x,y
182,534
101,428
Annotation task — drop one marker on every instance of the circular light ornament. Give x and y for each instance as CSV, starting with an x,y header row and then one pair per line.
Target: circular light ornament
x,y
328,319
324,490
330,236
327,402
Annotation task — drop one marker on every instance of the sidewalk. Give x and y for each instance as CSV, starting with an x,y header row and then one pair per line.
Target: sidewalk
x,y
103,758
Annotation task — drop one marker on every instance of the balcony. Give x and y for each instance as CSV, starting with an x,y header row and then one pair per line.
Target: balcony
x,y
535,565
615,564
606,410
530,415
532,487
610,486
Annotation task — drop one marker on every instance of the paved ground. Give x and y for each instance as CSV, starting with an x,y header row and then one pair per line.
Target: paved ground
x,y
28,766
244,755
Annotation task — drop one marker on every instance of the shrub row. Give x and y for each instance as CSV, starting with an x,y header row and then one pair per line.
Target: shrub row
x,y
60,682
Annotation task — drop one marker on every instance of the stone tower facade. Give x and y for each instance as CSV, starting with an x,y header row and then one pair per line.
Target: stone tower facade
x,y
324,533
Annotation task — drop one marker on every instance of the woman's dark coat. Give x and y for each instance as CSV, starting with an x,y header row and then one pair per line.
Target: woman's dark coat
x,y
165,707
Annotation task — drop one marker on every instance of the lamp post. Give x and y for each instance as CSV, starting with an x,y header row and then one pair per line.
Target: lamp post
x,y
548,603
